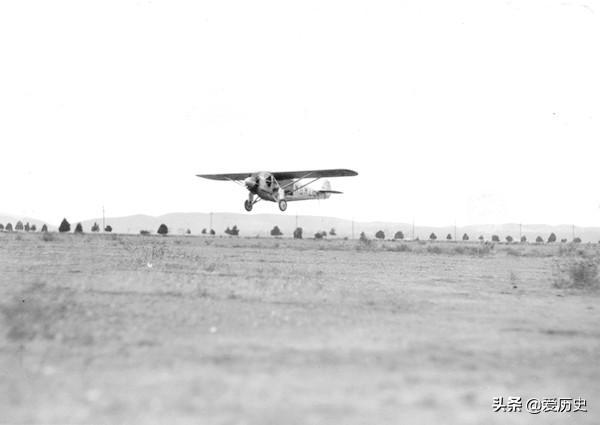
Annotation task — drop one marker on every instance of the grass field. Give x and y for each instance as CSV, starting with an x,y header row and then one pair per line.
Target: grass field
x,y
146,329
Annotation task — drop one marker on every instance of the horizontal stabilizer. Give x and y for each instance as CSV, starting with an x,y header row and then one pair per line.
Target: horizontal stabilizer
x,y
330,191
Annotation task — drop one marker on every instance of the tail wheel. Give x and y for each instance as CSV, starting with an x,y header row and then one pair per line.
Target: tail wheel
x,y
282,205
248,205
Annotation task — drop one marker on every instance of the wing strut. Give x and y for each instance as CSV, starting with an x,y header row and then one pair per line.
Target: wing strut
x,y
310,182
239,183
293,182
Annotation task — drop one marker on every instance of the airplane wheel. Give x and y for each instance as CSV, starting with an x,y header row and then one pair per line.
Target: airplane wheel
x,y
248,205
282,205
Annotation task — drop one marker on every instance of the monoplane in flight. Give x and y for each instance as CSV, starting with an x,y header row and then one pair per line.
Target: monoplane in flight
x,y
282,186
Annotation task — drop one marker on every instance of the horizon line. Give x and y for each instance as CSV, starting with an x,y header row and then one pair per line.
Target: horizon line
x,y
16,217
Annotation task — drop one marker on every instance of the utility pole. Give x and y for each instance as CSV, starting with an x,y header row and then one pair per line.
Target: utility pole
x,y
455,229
520,231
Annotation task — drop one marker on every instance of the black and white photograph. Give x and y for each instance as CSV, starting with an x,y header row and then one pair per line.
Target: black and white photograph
x,y
299,213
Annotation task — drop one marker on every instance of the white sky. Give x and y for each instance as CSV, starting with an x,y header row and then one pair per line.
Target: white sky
x,y
474,111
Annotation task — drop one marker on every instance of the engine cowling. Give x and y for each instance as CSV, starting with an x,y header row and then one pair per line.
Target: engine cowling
x,y
264,184
252,183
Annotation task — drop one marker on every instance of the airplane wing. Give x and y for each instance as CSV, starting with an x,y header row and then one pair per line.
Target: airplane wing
x,y
310,174
229,176
285,175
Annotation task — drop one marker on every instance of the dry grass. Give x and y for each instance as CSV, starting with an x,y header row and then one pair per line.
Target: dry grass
x,y
144,329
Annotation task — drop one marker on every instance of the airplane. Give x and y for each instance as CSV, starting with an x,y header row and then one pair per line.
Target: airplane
x,y
282,186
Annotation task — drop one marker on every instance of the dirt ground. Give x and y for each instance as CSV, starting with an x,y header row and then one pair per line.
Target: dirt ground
x,y
144,329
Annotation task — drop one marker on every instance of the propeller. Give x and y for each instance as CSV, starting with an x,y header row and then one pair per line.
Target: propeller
x,y
251,183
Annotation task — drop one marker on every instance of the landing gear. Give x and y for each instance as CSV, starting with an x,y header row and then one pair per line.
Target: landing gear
x,y
249,203
283,205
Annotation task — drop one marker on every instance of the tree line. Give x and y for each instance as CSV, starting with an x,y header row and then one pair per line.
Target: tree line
x,y
298,233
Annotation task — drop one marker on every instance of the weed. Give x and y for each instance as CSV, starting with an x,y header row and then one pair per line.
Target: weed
x,y
514,279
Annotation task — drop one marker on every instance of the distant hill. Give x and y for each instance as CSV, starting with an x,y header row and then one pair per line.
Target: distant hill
x,y
252,224
261,224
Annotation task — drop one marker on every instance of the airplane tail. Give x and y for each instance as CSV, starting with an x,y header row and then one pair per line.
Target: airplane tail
x,y
326,189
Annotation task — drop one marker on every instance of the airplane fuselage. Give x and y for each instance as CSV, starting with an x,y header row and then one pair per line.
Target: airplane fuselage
x,y
266,187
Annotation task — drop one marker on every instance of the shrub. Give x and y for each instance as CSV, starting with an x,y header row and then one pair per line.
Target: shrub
x,y
108,228
399,235
203,231
578,273
577,239
162,229
144,232
539,239
332,232
33,228
95,227
319,235
64,226
400,248
234,231
434,249
212,232
432,236
298,233
495,238
552,238
459,249
44,228
480,238
523,239
27,227
275,231
563,240
364,241
509,239
380,234
79,228
448,237
465,237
